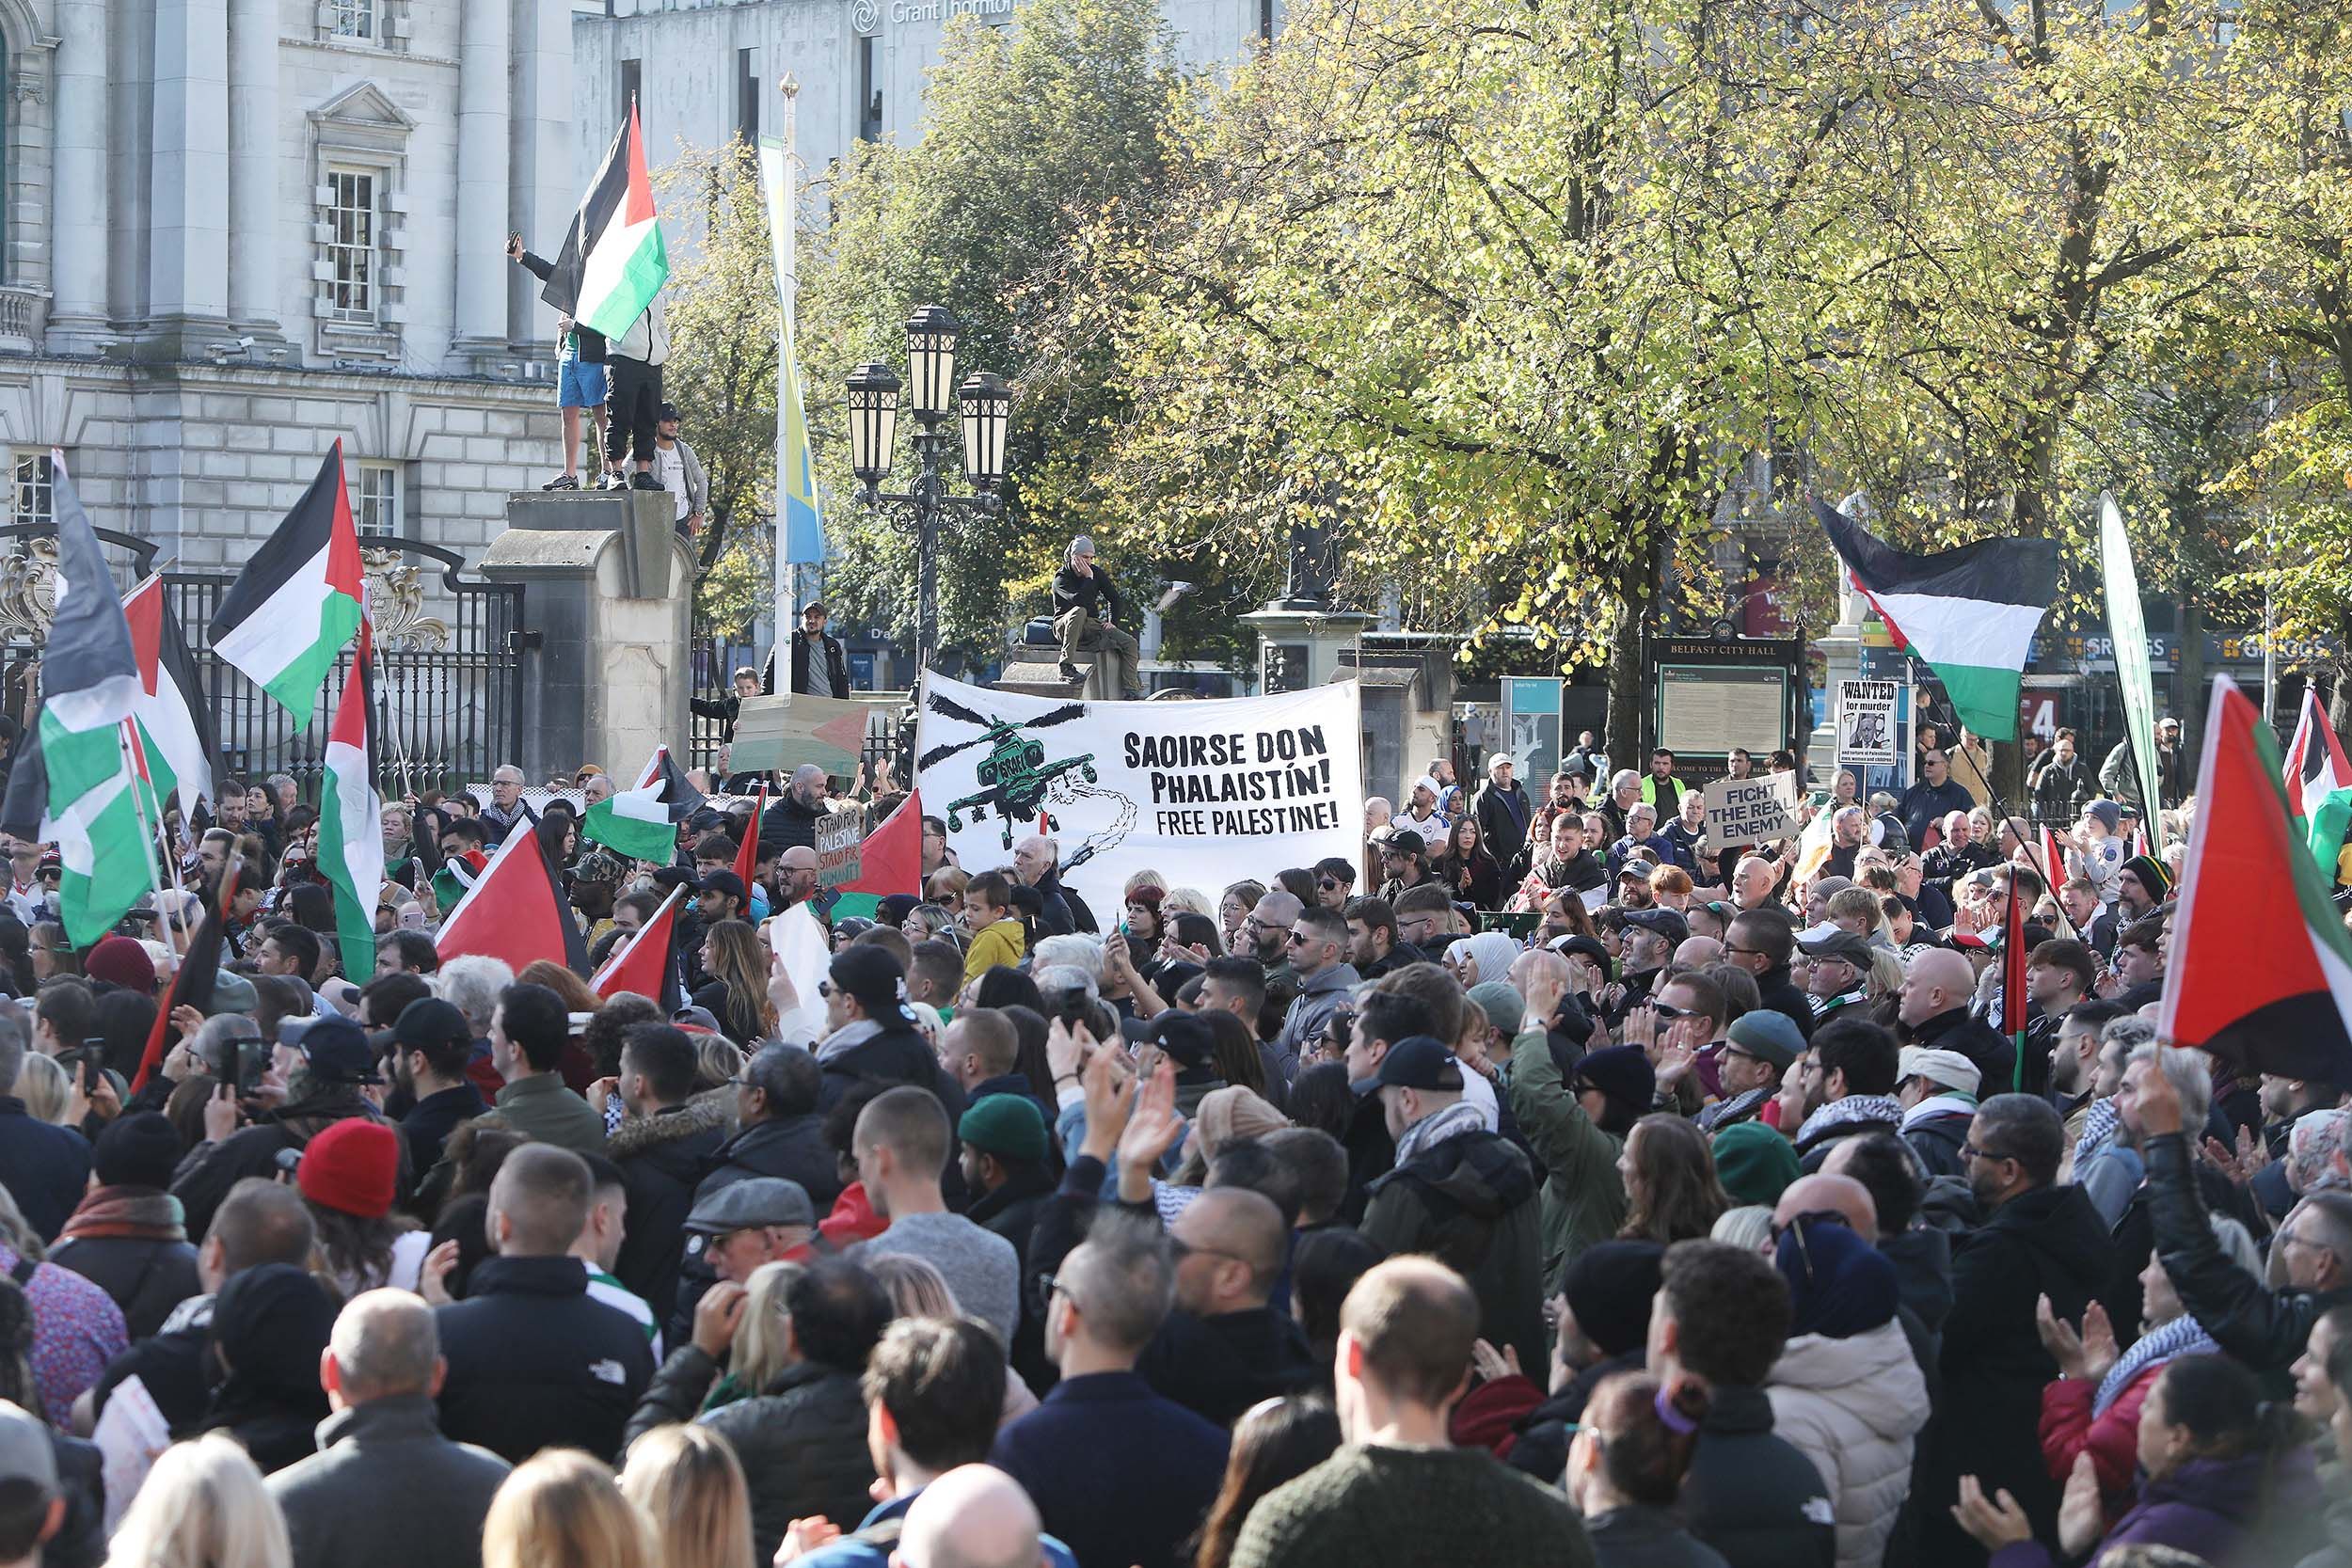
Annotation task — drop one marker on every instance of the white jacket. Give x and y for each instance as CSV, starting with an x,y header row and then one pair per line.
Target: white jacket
x,y
1854,1407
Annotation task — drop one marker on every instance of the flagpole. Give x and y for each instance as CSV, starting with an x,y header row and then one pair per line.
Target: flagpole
x,y
134,761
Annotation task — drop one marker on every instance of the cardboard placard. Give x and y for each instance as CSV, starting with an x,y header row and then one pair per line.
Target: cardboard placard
x,y
1740,812
840,847
779,734
1866,724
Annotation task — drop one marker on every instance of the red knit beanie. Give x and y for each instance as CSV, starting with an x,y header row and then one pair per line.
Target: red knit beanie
x,y
121,961
351,1168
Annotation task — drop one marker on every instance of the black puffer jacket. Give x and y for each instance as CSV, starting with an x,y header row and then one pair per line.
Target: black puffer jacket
x,y
661,1158
1469,1200
802,1439
1753,1496
789,825
792,1149
535,1362
897,1056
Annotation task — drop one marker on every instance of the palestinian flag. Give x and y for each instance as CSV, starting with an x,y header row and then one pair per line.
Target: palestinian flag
x,y
612,263
175,723
515,911
351,815
456,875
74,782
640,822
285,620
1970,614
647,963
893,860
2319,784
747,856
2261,969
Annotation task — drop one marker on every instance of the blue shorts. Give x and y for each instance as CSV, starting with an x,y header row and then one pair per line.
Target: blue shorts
x,y
578,383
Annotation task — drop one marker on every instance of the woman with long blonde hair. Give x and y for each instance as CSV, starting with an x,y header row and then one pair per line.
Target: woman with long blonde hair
x,y
561,1509
203,1506
689,1484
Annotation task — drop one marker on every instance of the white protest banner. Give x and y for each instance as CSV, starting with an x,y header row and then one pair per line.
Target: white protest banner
x,y
840,847
1866,724
1740,812
1205,792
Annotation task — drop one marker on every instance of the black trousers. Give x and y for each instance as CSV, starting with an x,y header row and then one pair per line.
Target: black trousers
x,y
632,398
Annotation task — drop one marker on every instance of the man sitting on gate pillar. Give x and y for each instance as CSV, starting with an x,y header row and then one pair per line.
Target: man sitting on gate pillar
x,y
1087,607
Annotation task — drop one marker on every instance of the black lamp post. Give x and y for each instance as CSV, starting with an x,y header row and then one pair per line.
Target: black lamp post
x,y
979,406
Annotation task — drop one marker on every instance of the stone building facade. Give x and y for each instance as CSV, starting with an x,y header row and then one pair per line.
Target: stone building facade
x,y
237,231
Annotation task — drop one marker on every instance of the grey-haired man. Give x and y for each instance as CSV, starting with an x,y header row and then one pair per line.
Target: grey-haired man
x,y
1087,607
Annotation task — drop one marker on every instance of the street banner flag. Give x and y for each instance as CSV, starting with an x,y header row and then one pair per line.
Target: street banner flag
x,y
351,814
175,724
76,786
515,911
641,822
286,619
2261,971
646,962
893,860
800,524
191,987
612,263
1970,614
747,857
2127,628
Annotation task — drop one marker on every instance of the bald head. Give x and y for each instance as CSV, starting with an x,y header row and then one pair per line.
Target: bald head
x,y
1528,967
799,858
1829,1195
974,1516
384,1342
1698,952
1937,981
1240,1224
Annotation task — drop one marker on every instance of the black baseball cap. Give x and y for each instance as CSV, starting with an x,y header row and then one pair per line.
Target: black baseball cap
x,y
1666,923
427,1023
1415,1062
335,1048
669,411
724,882
872,976
1183,1035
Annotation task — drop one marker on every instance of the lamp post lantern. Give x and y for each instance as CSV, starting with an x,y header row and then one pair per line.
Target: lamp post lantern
x,y
980,407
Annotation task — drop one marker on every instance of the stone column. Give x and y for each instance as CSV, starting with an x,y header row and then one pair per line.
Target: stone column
x,y
546,188
254,157
483,118
188,221
78,230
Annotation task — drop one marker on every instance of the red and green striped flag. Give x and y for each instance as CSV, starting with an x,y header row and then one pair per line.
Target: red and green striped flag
x,y
351,814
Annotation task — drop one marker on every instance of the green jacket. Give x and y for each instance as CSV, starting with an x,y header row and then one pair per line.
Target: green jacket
x,y
1583,1196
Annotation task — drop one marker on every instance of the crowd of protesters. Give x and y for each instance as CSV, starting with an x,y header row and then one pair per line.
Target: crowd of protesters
x,y
1547,1184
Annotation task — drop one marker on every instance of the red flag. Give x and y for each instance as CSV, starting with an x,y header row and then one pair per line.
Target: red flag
x,y
2261,966
515,911
645,964
893,855
747,858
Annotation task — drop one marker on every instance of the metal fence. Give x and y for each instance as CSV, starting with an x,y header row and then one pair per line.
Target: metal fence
x,y
448,698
